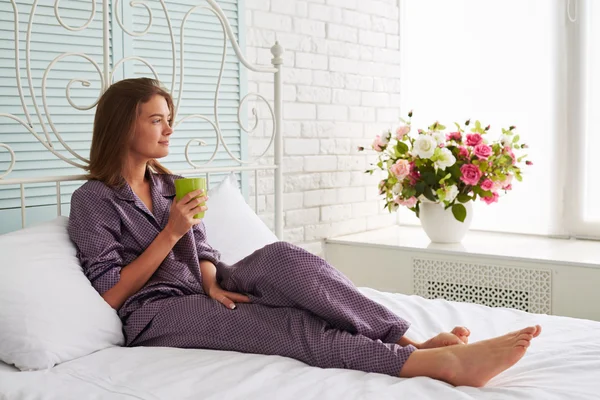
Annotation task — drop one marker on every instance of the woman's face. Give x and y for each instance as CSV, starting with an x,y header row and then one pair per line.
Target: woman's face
x,y
152,130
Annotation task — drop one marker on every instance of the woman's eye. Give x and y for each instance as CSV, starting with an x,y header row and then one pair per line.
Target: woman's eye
x,y
156,121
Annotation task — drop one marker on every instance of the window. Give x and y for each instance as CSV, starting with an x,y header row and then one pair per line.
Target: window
x,y
504,62
584,98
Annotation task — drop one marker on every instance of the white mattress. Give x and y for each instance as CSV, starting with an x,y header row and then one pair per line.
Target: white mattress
x,y
563,363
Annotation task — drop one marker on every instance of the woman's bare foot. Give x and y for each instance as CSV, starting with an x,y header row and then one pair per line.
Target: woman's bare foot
x,y
474,364
458,335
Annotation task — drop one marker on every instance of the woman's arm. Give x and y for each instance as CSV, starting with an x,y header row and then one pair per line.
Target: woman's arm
x,y
208,272
135,275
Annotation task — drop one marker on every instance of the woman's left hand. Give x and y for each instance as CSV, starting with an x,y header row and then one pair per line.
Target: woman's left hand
x,y
228,299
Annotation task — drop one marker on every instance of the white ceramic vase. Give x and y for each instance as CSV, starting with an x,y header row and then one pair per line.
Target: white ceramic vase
x,y
441,226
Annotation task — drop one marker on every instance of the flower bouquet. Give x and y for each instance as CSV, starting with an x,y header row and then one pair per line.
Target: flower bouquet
x,y
446,168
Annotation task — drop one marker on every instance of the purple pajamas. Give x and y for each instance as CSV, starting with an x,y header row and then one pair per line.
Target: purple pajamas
x,y
301,306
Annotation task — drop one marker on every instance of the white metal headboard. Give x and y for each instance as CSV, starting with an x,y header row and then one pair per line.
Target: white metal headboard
x,y
106,78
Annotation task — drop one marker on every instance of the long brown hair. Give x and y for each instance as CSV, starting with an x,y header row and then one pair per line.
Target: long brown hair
x,y
114,127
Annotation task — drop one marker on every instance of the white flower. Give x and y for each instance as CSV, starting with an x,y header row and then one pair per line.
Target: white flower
x,y
385,138
451,193
440,137
424,146
506,140
445,159
397,188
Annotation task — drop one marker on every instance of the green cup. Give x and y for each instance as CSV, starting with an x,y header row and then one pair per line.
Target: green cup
x,y
185,185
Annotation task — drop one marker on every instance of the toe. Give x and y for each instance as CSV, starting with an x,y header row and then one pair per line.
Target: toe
x,y
461,331
525,336
538,331
523,343
530,330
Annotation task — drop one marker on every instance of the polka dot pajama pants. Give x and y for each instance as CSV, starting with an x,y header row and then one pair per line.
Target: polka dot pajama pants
x,y
301,308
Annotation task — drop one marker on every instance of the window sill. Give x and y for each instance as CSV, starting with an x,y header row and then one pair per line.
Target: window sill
x,y
580,253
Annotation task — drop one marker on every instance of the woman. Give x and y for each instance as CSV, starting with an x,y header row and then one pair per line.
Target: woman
x,y
148,258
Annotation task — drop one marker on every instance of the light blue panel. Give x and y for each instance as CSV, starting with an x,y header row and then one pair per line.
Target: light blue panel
x,y
49,39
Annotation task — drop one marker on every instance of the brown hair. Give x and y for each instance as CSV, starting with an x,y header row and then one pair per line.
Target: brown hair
x,y
114,126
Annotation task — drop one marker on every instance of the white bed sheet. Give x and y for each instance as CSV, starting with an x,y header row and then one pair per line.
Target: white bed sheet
x,y
563,363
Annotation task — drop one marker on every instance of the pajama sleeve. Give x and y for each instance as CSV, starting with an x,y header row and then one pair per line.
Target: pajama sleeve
x,y
205,251
95,228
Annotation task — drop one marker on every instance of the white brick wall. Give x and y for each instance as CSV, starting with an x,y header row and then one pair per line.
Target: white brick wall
x,y
341,87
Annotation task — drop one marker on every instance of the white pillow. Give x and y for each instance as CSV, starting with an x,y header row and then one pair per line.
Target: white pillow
x,y
49,311
232,227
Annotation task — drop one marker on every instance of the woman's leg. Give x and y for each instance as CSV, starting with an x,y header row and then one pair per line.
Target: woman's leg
x,y
197,321
284,275
474,364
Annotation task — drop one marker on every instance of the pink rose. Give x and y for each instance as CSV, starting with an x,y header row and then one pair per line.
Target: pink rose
x,y
454,136
463,152
473,139
482,151
376,146
401,169
410,203
491,199
401,131
487,184
470,174
507,187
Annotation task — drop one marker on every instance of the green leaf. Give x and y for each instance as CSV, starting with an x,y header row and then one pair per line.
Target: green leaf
x,y
516,139
455,171
448,176
429,178
428,193
380,164
402,147
457,125
420,188
519,177
408,192
463,198
460,212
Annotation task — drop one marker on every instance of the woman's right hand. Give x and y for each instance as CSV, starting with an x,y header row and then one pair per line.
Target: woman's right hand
x,y
181,216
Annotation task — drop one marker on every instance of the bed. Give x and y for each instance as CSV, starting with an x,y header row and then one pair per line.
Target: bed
x,y
62,363
563,363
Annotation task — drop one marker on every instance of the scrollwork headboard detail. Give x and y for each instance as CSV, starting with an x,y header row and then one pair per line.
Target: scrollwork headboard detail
x,y
52,140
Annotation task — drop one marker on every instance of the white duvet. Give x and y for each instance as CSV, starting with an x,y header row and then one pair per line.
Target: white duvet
x,y
563,363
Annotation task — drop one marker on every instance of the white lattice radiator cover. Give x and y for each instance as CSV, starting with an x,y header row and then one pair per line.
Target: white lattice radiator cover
x,y
490,285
